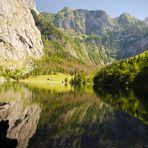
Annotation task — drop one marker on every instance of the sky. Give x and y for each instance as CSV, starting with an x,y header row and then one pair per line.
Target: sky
x,y
137,8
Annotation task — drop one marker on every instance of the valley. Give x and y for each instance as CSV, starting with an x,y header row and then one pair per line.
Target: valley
x,y
76,78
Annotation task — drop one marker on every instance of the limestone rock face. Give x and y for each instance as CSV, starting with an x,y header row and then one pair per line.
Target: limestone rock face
x,y
31,4
84,21
136,48
122,37
19,37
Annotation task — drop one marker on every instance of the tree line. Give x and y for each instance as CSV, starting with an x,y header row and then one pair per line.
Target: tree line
x,y
127,73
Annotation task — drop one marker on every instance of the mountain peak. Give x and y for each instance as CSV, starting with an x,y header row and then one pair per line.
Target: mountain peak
x,y
101,12
125,15
126,18
66,9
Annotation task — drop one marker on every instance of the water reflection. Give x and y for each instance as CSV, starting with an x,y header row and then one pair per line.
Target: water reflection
x,y
4,141
134,102
75,118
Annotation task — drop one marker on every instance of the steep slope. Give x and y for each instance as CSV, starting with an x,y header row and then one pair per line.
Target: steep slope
x,y
124,36
131,37
130,73
133,45
19,37
84,21
31,4
63,51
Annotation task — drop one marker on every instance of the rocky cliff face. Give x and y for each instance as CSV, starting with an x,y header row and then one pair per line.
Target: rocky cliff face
x,y
84,21
31,4
19,37
133,47
124,36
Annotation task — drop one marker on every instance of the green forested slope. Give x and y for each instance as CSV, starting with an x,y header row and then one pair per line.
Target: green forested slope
x,y
65,52
132,72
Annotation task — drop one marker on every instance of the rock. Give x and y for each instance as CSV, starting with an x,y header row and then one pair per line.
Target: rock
x,y
31,4
84,21
121,37
19,37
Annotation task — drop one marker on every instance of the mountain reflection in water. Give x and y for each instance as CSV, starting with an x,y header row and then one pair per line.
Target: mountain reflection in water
x,y
41,118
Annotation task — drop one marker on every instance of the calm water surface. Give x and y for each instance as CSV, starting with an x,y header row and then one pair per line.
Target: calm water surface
x,y
47,116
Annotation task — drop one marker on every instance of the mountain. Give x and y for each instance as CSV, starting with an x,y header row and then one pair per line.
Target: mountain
x,y
65,52
84,21
132,37
123,37
71,39
83,37
19,37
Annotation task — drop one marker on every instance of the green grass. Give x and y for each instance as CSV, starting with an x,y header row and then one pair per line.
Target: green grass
x,y
57,78
51,82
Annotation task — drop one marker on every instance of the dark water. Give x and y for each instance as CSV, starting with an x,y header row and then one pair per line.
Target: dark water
x,y
44,117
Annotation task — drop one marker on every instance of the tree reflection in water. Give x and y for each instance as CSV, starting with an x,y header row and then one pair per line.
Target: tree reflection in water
x,y
73,118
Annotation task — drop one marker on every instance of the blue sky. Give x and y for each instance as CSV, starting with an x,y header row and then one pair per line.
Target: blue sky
x,y
137,8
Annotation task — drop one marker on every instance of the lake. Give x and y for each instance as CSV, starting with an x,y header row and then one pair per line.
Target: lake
x,y
58,116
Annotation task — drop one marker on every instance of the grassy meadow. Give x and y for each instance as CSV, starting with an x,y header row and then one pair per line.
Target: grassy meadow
x,y
52,82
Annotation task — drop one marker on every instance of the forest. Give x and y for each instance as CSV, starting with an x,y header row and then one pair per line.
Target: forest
x,y
127,73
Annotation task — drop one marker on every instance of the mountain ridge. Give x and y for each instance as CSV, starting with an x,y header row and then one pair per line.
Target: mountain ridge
x,y
125,33
82,36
